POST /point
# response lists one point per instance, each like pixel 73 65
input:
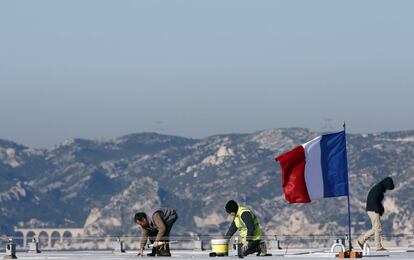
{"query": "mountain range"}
pixel 99 185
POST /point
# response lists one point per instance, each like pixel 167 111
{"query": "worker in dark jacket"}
pixel 248 226
pixel 375 209
pixel 156 226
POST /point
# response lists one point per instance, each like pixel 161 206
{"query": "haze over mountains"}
pixel 99 185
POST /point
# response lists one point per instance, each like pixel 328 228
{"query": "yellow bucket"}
pixel 220 246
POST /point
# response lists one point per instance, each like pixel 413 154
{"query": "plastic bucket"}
pixel 220 246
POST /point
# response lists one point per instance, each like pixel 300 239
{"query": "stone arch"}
pixel 19 238
pixel 58 235
pixel 30 235
pixel 67 236
pixel 55 237
pixel 44 239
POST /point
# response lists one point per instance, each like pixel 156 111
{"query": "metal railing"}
pixel 198 242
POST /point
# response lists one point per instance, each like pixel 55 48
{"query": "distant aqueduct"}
pixel 57 234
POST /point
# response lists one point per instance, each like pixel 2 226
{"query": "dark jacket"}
pixel 376 195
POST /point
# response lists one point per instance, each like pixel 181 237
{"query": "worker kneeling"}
pixel 156 226
pixel 248 226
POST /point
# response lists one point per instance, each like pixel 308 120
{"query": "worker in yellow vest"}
pixel 248 226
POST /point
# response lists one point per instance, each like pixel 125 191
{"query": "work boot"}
pixel 381 249
pixel 164 250
pixel 262 251
pixel 153 252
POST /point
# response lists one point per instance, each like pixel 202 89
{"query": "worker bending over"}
pixel 248 226
pixel 156 226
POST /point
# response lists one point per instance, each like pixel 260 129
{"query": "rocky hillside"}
pixel 99 185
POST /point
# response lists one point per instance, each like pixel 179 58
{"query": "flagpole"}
pixel 349 207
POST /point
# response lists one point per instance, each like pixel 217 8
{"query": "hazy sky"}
pixel 96 69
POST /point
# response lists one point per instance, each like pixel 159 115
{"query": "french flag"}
pixel 316 169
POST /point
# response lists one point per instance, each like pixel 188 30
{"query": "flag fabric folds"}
pixel 316 169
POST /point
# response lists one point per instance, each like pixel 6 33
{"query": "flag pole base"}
pixel 351 254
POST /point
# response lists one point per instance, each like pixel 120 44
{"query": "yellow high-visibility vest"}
pixel 241 226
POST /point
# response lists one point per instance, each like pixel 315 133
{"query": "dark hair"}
pixel 139 216
pixel 232 206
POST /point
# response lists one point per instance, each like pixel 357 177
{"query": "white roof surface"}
pixel 394 253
